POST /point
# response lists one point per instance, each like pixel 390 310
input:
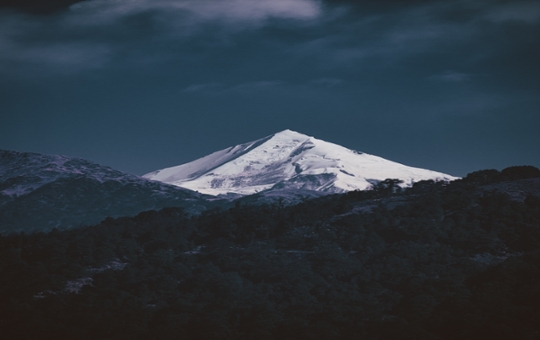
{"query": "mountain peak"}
pixel 288 160
pixel 290 134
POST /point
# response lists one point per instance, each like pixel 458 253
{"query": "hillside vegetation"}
pixel 436 261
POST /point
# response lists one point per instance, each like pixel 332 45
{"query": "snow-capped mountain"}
pixel 40 192
pixel 288 160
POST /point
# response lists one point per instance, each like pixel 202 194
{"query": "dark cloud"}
pixel 146 84
pixel 527 12
pixel 37 6
pixel 450 76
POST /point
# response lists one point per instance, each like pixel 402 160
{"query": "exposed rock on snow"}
pixel 289 160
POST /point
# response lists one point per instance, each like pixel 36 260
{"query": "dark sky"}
pixel 139 85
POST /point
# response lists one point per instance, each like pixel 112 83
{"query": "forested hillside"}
pixel 436 261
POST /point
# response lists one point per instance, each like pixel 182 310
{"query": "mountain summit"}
pixel 288 160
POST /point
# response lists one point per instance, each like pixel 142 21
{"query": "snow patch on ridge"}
pixel 288 160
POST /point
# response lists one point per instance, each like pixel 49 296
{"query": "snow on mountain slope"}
pixel 24 172
pixel 41 192
pixel 288 160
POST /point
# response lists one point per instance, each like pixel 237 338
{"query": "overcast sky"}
pixel 139 85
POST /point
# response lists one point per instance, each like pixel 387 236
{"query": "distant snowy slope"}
pixel 40 192
pixel 23 172
pixel 288 160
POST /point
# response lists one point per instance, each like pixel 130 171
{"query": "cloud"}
pixel 222 88
pixel 450 77
pixel 256 85
pixel 479 103
pixel 208 87
pixel 327 82
pixel 195 11
pixel 94 32
pixel 527 12
pixel 37 6
pixel 391 36
pixel 63 55
pixel 25 41
pixel 385 38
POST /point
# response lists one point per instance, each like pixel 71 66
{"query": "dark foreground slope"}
pixel 41 192
pixel 438 261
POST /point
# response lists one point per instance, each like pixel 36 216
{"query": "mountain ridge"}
pixel 288 160
pixel 40 192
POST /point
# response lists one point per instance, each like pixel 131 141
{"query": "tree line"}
pixel 435 261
